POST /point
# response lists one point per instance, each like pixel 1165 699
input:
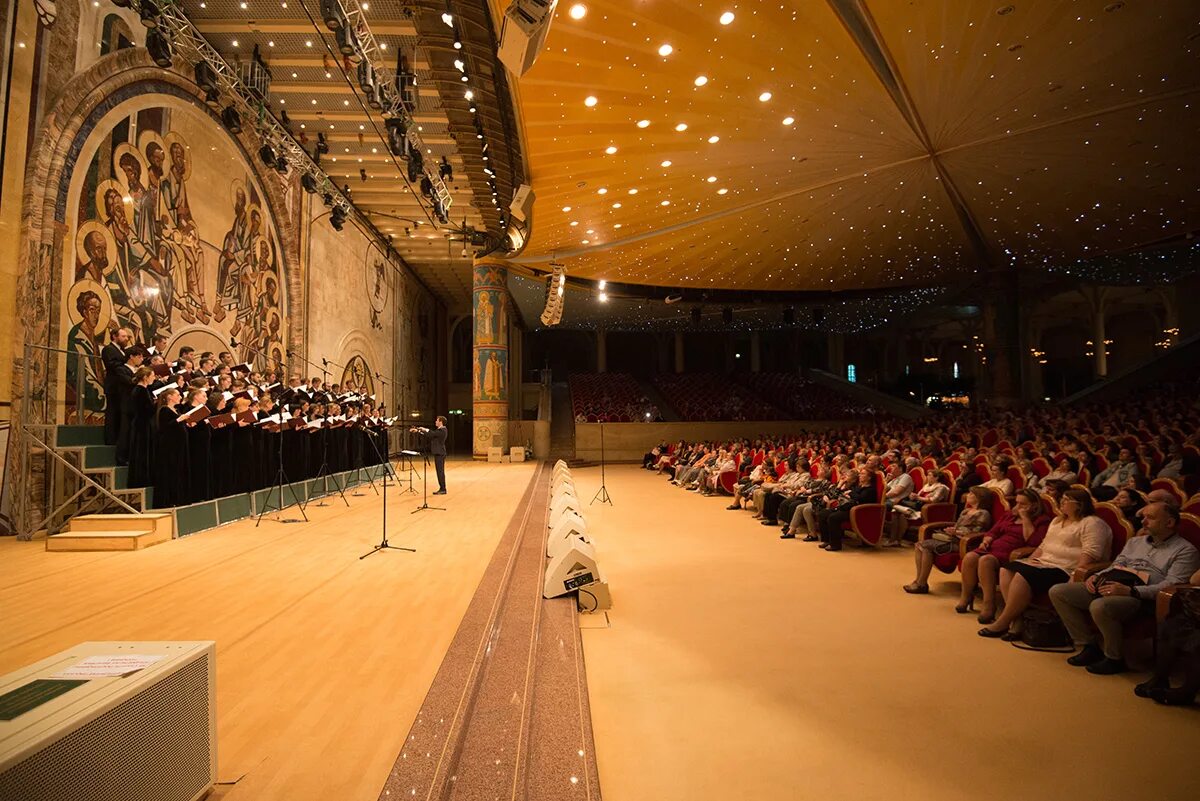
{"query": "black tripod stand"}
pixel 602 494
pixel 281 479
pixel 425 488
pixel 384 545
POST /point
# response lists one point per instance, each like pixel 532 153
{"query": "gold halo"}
pixel 88 227
pixel 250 209
pixel 144 140
pixel 78 288
pixel 119 174
pixel 234 186
pixel 255 246
pixel 264 279
pixel 111 183
pixel 171 138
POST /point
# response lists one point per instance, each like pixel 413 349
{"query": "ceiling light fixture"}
pixel 578 11
pixel 602 191
pixel 611 149
pixel 666 163
pixel 681 127
pixel 712 179
pixel 700 80
pixel 727 18
pixel 643 123
pixel 665 50
pixel 788 120
pixel 712 140
pixel 590 101
pixel 722 191
pixel 764 97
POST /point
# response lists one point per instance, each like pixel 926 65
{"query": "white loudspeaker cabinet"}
pixel 562 506
pixel 522 203
pixel 564 491
pixel 568 524
pixel 572 540
pixel 523 33
pixel 561 465
pixel 571 570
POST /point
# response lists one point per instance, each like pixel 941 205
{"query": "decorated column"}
pixel 489 383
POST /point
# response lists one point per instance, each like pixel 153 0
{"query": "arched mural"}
pixel 170 235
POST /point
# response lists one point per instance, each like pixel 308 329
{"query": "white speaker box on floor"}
pixel 568 524
pixel 562 491
pixel 572 569
pixel 561 465
pixel 562 505
pixel 112 721
pixel 558 547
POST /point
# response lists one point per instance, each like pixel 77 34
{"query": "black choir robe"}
pixel 141 437
pixel 113 357
pixel 199 457
pixel 172 482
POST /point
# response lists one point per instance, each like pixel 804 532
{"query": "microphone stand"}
pixel 323 472
pixel 403 439
pixel 602 494
pixel 280 475
pixel 384 545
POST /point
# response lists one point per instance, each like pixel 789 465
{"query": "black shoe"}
pixel 1147 688
pixel 1173 696
pixel 769 523
pixel 440 492
pixel 734 506
pixel 811 538
pixel 991 633
pixel 1107 667
pixel 786 536
pixel 1089 655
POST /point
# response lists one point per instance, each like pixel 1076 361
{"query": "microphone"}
pixel 233 343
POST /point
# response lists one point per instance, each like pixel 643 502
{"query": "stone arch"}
pixel 83 102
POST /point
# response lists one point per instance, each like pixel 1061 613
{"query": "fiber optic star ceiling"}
pixel 843 144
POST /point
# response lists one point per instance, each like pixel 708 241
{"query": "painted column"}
pixel 755 352
pixel 489 369
pixel 679 351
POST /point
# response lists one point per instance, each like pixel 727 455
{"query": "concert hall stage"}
pixel 322 659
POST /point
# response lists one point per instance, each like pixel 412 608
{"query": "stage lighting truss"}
pixel 393 91
pixel 221 78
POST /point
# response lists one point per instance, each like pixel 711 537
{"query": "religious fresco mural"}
pixel 377 275
pixel 171 236
pixel 357 377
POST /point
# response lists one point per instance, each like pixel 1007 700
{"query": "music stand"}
pixel 424 485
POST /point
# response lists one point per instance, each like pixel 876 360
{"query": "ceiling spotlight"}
pixel 590 101
pixel 148 11
pixel 727 18
pixel 578 11
pixel 722 191
pixel 712 140
pixel 666 50
pixel 267 154
pixel 764 97
pixel 232 120
pixel 602 191
pixel 700 80
pixel 281 165
pixel 666 163
pixel 643 123
pixel 566 209
pixel 681 127
pixel 712 179
pixel 309 183
pixel 337 218
pixel 448 18
pixel 788 120
pixel 159 47
pixel 610 149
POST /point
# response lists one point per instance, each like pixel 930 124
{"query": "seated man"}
pixel 1108 481
pixel 1124 590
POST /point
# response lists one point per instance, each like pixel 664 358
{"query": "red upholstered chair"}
pixel 982 471
pixel 1192 507
pixel 1170 486
pixel 918 478
pixel 726 481
pixel 1041 467
pixel 929 464
pixel 1015 476
pixel 955 469
pixel 1121 532
pixel 867 520
pixel 1049 506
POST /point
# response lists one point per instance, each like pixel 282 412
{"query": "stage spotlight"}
pixel 727 315
pixel 281 164
pixel 414 166
pixel 232 120
pixel 362 174
pixel 337 218
pixel 206 79
pixel 148 11
pixel 309 183
pixel 322 144
pixel 695 315
pixel 426 186
pixel 327 199
pixel 445 171
pixel 331 13
pixel 397 134
pixel 347 41
pixel 159 47
pixel 267 154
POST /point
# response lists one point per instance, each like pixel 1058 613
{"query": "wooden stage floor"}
pixel 322 659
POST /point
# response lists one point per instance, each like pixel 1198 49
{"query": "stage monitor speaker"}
pixel 563 505
pixel 523 33
pixel 559 547
pixel 561 465
pixel 522 203
pixel 564 491
pixel 568 524
pixel 572 569
pixel 135 721
pixel 562 479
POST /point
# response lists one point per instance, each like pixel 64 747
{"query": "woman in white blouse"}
pixel 1076 538
pixel 999 482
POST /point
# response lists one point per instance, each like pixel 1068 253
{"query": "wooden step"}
pixel 106 540
pixel 160 522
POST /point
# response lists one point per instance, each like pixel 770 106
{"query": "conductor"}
pixel 437 447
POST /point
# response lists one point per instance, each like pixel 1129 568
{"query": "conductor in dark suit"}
pixel 114 356
pixel 437 447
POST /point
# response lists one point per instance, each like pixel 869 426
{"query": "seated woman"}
pixel 999 481
pixel 799 509
pixel 1076 538
pixel 975 518
pixel 751 482
pixel 935 490
pixel 1029 474
pixel 1066 470
pixel 1130 501
pixel 1054 488
pixel 1022 527
pixel 831 520
pixel 1178 645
